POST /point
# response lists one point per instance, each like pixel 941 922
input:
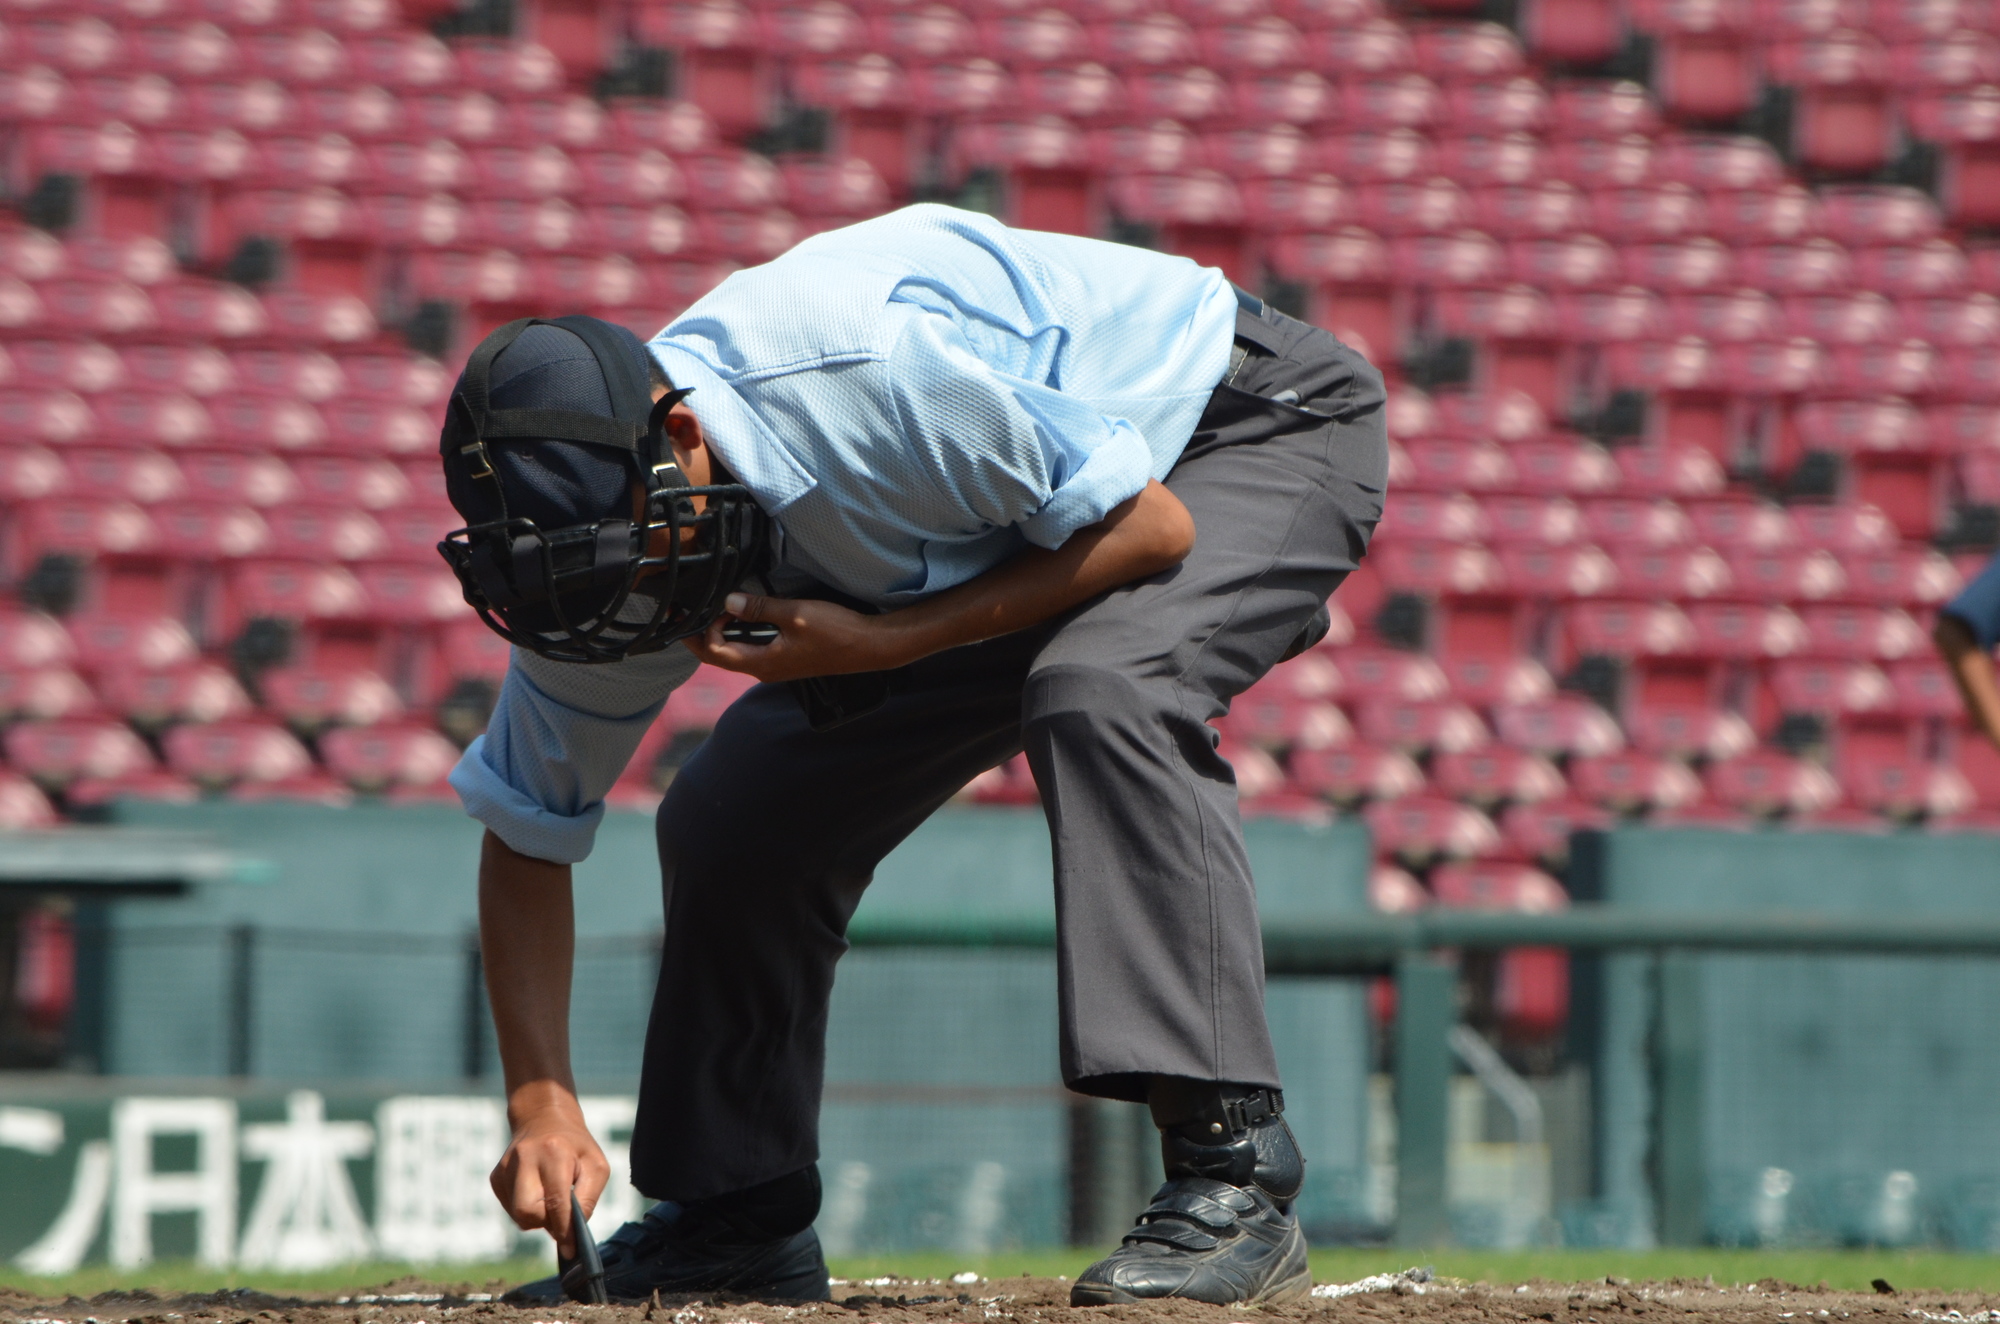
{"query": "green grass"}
pixel 1847 1269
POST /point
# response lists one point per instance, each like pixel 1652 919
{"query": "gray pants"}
pixel 772 830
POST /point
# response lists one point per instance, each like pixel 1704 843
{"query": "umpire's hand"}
pixel 553 1153
pixel 527 936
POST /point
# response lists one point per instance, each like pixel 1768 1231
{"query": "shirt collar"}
pixel 753 453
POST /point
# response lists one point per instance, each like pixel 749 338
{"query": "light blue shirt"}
pixel 912 399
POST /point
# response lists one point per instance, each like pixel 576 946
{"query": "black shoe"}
pixel 720 1245
pixel 1222 1229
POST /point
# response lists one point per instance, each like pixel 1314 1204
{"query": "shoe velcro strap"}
pixel 1191 1204
pixel 1235 1197
pixel 1173 1232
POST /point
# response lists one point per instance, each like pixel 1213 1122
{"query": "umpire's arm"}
pixel 527 940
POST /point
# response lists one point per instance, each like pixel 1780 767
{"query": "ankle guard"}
pixel 1228 1133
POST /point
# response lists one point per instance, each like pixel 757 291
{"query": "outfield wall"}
pixel 347 975
pixel 1793 1099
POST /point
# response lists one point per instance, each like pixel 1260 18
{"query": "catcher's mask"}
pixel 587 582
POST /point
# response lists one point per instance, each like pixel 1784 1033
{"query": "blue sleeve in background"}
pixel 1979 605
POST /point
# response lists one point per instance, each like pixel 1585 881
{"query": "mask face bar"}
pixel 595 591
pixel 510 569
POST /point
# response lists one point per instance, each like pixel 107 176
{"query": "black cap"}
pixel 555 483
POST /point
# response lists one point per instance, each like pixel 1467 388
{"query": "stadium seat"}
pixel 154 699
pixel 1438 726
pixel 1497 885
pixel 378 758
pixel 1394 891
pixel 1907 789
pixel 1542 831
pixel 1558 727
pixel 1370 675
pixel 1421 829
pixel 1632 782
pixel 1351 774
pixel 44 693
pixel 222 754
pixel 1485 680
pixel 1495 775
pixel 58 753
pixel 1688 731
pixel 313 698
pixel 111 641
pixel 1267 718
pixel 1766 783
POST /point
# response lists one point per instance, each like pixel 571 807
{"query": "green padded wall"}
pixel 1827 1099
pixel 943 1088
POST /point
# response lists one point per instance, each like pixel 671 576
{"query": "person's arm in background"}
pixel 527 941
pixel 559 738
pixel 1965 634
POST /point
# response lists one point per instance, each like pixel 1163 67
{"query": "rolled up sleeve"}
pixel 1011 453
pixel 539 775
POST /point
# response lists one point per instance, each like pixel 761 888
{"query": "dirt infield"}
pixel 1385 1300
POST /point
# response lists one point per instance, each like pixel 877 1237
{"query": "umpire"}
pixel 970 491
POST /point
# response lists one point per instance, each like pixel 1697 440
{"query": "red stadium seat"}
pixel 1393 891
pixel 1834 688
pixel 1562 726
pixel 155 699
pixel 1767 783
pixel 229 753
pixel 1843 528
pixel 311 699
pixel 57 753
pixel 1778 575
pixel 1627 629
pixel 378 758
pixel 1907 789
pixel 1531 991
pixel 1903 577
pixel 1496 885
pixel 1496 775
pixel 1436 568
pixel 1270 719
pixel 1678 573
pixel 1744 630
pixel 1921 687
pixel 1863 634
pixel 1533 520
pixel 1389 675
pixel 1679 730
pixel 1558 572
pixel 111 641
pixel 1349 774
pixel 290 590
pixel 43 694
pixel 1632 782
pixel 1420 829
pixel 147 477
pixel 1437 726
pixel 1484 679
pixel 469 649
pixel 1542 831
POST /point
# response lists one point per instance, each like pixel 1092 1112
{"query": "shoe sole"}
pixel 1296 1288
